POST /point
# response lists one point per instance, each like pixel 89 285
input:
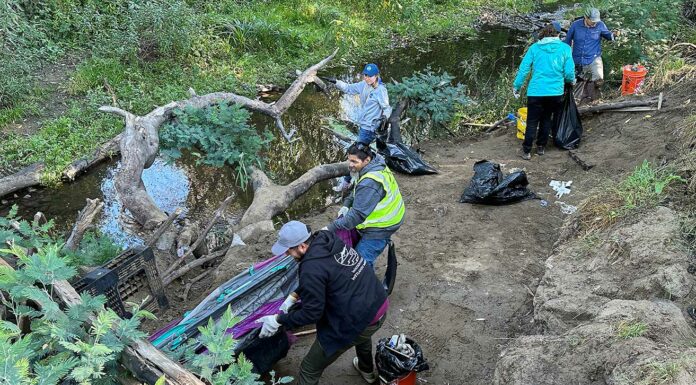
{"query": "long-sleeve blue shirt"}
pixel 374 103
pixel 586 41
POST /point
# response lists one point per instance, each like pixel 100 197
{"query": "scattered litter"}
pixel 480 319
pixel 566 208
pixel 237 240
pixel 560 187
pixel 543 203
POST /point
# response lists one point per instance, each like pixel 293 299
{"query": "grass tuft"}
pixel 644 188
pixel 627 330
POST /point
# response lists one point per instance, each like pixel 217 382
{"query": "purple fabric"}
pixel 263 264
pixel 249 323
pixel 349 237
pixel 164 329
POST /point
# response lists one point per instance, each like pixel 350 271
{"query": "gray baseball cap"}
pixel 593 15
pixel 290 235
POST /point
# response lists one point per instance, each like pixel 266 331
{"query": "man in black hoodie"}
pixel 339 293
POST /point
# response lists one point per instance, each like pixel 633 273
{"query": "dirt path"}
pixel 467 273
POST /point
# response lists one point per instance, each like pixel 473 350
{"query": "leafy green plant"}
pixel 22 233
pixel 95 249
pixel 627 330
pixel 222 132
pixel 220 365
pixel 80 343
pixel 432 100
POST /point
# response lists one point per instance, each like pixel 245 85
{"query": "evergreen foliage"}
pixel 222 132
pixel 432 101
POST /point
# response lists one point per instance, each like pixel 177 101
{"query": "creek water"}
pixel 199 189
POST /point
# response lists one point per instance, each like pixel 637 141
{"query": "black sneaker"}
pixel 540 150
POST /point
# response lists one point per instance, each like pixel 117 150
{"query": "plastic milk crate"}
pixel 131 273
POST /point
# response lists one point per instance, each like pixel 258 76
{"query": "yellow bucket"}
pixel 521 122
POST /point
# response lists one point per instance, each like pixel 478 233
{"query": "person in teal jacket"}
pixel 550 62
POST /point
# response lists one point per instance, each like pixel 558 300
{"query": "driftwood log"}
pixel 31 175
pixel 140 141
pixel 84 221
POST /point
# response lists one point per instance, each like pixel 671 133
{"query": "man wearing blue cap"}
pixel 374 101
pixel 338 292
pixel 585 36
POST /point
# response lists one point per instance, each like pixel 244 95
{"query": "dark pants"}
pixel 541 111
pixel 316 361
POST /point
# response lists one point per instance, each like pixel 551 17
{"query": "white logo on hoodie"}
pixel 347 257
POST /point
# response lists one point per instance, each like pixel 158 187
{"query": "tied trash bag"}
pixel 488 186
pixel 401 158
pixel 392 365
pixel 568 124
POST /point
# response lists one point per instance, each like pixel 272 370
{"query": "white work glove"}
pixel 287 304
pixel 325 228
pixel 515 93
pixel 270 326
pixel 343 211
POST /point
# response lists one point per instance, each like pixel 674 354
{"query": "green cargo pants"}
pixel 316 361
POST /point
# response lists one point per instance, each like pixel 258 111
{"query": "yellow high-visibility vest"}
pixel 390 210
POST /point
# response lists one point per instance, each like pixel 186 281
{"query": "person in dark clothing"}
pixel 375 208
pixel 551 64
pixel 338 292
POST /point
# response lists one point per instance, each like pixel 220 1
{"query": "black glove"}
pixel 329 79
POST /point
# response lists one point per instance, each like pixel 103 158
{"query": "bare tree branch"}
pixel 84 221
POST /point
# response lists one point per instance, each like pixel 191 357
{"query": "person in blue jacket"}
pixel 551 65
pixel 585 36
pixel 374 101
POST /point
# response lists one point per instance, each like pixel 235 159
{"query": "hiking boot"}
pixel 540 150
pixel 370 378
pixel 526 155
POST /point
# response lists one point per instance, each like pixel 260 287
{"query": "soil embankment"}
pixel 469 276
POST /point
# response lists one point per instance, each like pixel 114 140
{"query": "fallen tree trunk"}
pixel 616 105
pixel 140 141
pixel 84 221
pixel 271 199
pixel 26 177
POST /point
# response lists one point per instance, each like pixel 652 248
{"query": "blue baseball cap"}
pixel 371 70
pixel 593 15
pixel 556 26
pixel 292 234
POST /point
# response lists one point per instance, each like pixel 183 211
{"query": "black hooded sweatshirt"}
pixel 339 292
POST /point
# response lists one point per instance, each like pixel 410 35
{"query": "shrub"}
pixel 80 343
pixel 222 132
pixel 432 100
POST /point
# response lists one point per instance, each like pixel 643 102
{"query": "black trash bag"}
pixel 401 158
pixel 264 352
pixel 568 125
pixel 391 365
pixel 390 275
pixel 488 186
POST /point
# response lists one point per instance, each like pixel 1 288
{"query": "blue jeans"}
pixel 365 136
pixel 370 249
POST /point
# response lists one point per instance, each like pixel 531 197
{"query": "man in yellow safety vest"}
pixel 375 207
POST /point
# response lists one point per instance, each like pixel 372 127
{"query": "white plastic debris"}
pixel 566 208
pixel 561 187
pixel 237 240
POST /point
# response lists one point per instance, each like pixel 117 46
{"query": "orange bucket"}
pixel 633 78
pixel 409 379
